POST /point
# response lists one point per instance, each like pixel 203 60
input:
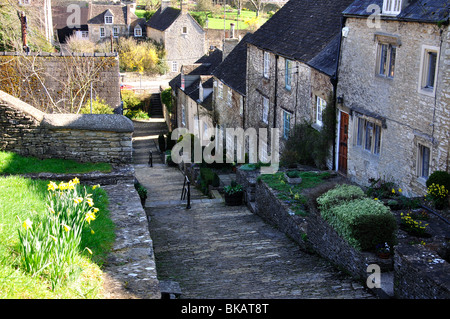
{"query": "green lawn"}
pixel 19 198
pixel 11 163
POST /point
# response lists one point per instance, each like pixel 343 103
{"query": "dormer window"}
pixel 138 31
pixel 392 7
pixel 24 2
pixel 108 19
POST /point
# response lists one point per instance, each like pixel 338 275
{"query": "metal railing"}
pixel 186 191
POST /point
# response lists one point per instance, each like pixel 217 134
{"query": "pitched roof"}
pixel 97 13
pixel 162 20
pixel 233 70
pixel 416 10
pixel 301 29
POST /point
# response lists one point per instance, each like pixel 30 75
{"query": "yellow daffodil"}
pixel 53 237
pixel 78 200
pixel 90 251
pixel 90 202
pixel 27 224
pixel 375 198
pixel 399 190
pixel 95 186
pixel 393 191
pixel 92 232
pixel 66 227
pixel 52 186
pixel 89 217
pixel 95 210
pixel 76 180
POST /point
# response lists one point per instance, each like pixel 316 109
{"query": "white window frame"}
pixel 102 32
pixel 137 31
pixel 109 19
pixel 220 90
pixel 84 34
pixel 115 32
pixel 321 104
pixel 288 74
pixel 422 152
pixel 174 66
pixel 386 62
pixel 265 110
pixel 230 97
pixel 266 65
pixel 424 73
pixel 392 7
pixel 183 115
pixel 286 125
pixel 368 135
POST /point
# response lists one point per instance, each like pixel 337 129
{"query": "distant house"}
pixel 394 83
pixel 67 24
pixel 291 67
pixel 117 20
pixel 192 90
pixel 182 36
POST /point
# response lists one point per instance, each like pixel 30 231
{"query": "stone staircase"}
pixel 155 109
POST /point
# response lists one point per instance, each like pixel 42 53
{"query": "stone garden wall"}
pixel 85 138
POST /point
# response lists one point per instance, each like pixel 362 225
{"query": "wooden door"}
pixel 343 143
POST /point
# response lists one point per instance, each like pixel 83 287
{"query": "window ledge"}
pixel 427 91
pixel 422 181
pixel 317 126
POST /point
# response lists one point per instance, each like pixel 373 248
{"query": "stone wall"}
pixel 229 116
pixel 408 115
pixel 56 83
pixel 85 138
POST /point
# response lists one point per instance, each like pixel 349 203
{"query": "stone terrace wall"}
pixel 85 138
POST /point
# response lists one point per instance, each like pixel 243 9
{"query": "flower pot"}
pixel 384 255
pixel 233 199
pixel 293 180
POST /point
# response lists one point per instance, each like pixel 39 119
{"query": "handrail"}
pixel 186 191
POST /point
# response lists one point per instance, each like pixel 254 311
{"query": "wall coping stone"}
pixel 91 122
pixel 15 103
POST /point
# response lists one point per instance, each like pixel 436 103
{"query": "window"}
pixel 138 31
pixel 183 115
pixel 368 135
pixel 265 110
pixel 386 60
pixel 266 65
pixel 174 66
pixel 286 124
pixel 220 90
pixel 85 34
pixel 241 105
pixel 392 6
pixel 320 106
pixel 184 30
pixel 24 2
pixel 423 161
pixel 230 97
pixel 428 70
pixel 108 19
pixel 115 32
pixel 102 32
pixel 288 74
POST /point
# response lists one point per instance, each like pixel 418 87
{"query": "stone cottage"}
pixel 182 36
pixel 394 88
pixel 192 91
pixel 291 67
pixel 117 20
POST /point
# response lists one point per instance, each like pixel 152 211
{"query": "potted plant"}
pixel 233 194
pixel 383 251
pixel 293 177
pixel 142 191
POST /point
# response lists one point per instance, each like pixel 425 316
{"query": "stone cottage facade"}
pixel 118 20
pixel 192 90
pixel 179 32
pixel 291 66
pixel 394 87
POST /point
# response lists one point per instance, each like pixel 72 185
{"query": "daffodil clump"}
pixel 412 225
pixel 438 194
pixel 50 243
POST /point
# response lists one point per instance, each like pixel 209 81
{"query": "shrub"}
pixel 438 194
pixel 99 106
pixel 162 142
pixel 439 178
pixel 339 194
pixel 364 223
pixel 208 177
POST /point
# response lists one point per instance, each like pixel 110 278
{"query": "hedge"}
pixel 363 222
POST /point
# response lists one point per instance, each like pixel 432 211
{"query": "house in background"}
pixel 117 20
pixel 394 81
pixel 291 67
pixel 182 36
pixel 66 25
pixel 192 91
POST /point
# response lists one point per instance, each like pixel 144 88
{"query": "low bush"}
pixel 208 177
pixel 162 143
pixel 439 178
pixel 364 223
pixel 338 195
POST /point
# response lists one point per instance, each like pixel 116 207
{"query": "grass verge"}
pixel 20 198
pixel 12 163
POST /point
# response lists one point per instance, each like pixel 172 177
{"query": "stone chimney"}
pixel 165 4
pixel 183 6
pixel 229 43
